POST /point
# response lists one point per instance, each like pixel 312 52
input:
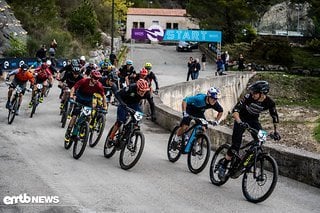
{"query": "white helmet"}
pixel 49 62
pixel 82 58
pixel 213 92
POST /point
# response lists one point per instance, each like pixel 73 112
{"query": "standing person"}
pixel 241 62
pixel 196 69
pixel 220 65
pixel 52 51
pixel 189 64
pixel 151 77
pixel 42 52
pixel 226 62
pixel 113 59
pixel 203 60
pixel 246 113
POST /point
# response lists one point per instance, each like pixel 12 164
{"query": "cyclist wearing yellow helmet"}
pixel 151 76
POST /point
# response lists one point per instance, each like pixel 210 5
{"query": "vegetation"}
pixel 18 48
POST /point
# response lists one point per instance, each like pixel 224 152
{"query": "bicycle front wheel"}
pixel 109 149
pixel 97 130
pixel 64 115
pixel 81 141
pixel 260 180
pixel 216 163
pixel 12 110
pixel 132 151
pixel 34 104
pixel 174 147
pixel 199 155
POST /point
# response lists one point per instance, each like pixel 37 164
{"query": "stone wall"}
pixel 293 163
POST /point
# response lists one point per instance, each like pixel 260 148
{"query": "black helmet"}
pixel 74 63
pixel 260 86
pixel 113 76
pixel 76 70
pixel 24 67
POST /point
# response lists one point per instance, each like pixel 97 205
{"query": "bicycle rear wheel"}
pixel 173 149
pixel 12 110
pixel 109 149
pixel 216 162
pixel 258 183
pixel 200 154
pixel 64 115
pixel 97 130
pixel 81 141
pixel 132 151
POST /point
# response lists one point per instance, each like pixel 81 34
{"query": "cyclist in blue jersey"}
pixel 196 106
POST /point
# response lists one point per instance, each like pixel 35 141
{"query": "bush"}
pixel 18 48
pixel 314 44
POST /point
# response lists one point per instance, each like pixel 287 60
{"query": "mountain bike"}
pixel 197 145
pixel 259 169
pixel 67 108
pixel 80 131
pixel 35 99
pixel 97 125
pixel 14 102
pixel 129 139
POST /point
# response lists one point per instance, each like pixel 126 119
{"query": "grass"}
pixel 317 132
pixel 305 58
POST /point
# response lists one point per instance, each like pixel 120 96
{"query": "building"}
pixel 144 18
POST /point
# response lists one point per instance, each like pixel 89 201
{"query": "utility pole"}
pixel 112 25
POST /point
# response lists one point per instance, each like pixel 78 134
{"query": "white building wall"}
pixel 183 22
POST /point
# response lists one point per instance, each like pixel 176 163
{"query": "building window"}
pixel 168 26
pixel 155 22
pixel 135 25
pixel 141 25
pixel 175 26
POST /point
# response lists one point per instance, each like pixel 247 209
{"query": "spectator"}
pixel 203 60
pixel 190 64
pixel 195 69
pixel 226 62
pixel 52 51
pixel 113 59
pixel 220 65
pixel 241 62
pixel 42 52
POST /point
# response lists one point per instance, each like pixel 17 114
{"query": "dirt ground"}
pixel 296 127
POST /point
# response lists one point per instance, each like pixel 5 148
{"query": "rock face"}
pixel 285 17
pixel 9 27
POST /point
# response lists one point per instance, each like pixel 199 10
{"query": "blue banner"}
pixel 192 35
pixel 14 63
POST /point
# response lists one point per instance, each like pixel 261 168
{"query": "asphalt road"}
pixel 34 161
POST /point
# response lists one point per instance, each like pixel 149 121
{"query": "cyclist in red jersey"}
pixel 83 92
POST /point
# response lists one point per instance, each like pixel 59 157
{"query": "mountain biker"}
pixel 83 92
pixel 110 84
pixel 246 113
pixel 88 68
pixel 21 76
pixel 196 106
pixel 151 76
pixel 43 76
pixel 52 69
pixel 128 97
pixel 126 73
pixel 68 80
pixel 144 75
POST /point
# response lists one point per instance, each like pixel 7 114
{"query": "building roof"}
pixel 156 12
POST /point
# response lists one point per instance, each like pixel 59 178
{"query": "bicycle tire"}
pixel 46 93
pixel 34 104
pixel 101 122
pixel 215 162
pixel 108 150
pixel 172 147
pixel 132 149
pixel 83 130
pixel 261 179
pixel 12 110
pixel 194 155
pixel 67 145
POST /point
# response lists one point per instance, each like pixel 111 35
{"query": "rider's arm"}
pixel 13 72
pixel 238 107
pixel 153 76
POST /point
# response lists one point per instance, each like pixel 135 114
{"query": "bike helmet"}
pixel 113 76
pixel 74 63
pixel 213 93
pixel 95 74
pixel 129 62
pixel 24 67
pixel 148 66
pixel 143 72
pixel 143 85
pixel 82 58
pixel 76 70
pixel 49 63
pixel 260 87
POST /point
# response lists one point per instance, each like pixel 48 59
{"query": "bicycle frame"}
pixel 84 116
pixel 195 129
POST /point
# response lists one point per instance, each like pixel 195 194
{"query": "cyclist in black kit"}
pixel 246 113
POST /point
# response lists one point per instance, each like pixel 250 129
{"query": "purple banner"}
pixel 138 34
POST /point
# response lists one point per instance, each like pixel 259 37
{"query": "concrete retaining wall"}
pixel 293 163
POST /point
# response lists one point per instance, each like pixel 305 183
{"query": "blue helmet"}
pixel 129 62
pixel 213 93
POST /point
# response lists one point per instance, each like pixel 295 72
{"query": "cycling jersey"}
pixel 70 79
pixel 22 77
pixel 196 105
pixel 42 74
pixel 84 91
pixel 250 109
pixel 129 95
